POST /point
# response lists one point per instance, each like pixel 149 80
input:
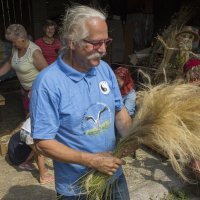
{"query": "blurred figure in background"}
pixel 48 43
pixel 21 152
pixel 26 59
pixel 191 71
pixel 126 85
pixel 5 52
pixel 25 135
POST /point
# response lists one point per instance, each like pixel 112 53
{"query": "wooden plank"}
pixel 2 100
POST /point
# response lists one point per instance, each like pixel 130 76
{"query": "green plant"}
pixel 176 195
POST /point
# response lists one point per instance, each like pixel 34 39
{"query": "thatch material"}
pixel 178 20
pixel 168 118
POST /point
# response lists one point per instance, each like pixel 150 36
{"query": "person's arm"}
pixel 5 68
pixel 103 162
pixel 129 103
pixel 39 60
pixel 123 121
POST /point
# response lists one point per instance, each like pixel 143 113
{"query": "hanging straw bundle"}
pixel 167 119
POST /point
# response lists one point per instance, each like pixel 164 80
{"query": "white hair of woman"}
pixel 15 31
pixel 73 27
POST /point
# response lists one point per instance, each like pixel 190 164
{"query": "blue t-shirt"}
pixel 78 110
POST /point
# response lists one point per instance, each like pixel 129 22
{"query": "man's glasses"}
pixel 99 43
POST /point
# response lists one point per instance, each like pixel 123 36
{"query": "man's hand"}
pixel 106 163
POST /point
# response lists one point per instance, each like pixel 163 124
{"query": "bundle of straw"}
pixel 178 20
pixel 168 119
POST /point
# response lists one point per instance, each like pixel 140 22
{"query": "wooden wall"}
pixel 15 11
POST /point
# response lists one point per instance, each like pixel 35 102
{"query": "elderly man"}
pixel 76 103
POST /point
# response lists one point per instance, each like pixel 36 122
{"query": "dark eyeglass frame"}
pixel 98 44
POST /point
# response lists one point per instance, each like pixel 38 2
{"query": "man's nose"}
pixel 102 48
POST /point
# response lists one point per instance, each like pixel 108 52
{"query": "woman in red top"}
pixel 48 43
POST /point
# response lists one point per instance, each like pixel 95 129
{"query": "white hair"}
pixel 73 28
pixel 15 31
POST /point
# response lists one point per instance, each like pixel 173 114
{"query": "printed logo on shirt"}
pixel 96 119
pixel 104 88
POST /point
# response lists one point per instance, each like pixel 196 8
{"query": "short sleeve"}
pixel 44 114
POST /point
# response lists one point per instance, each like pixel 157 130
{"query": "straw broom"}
pixel 167 119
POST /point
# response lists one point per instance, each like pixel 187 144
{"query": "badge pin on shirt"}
pixel 104 88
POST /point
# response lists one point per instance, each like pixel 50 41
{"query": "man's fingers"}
pixel 120 161
pixel 113 170
pixel 110 173
pixel 115 166
pixel 106 163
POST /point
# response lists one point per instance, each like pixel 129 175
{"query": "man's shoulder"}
pixel 105 68
pixel 50 74
pixel 104 65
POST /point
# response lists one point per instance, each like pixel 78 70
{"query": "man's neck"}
pixel 68 60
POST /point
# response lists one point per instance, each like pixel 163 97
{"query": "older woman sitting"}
pixel 26 59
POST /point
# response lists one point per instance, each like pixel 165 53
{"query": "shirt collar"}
pixel 73 73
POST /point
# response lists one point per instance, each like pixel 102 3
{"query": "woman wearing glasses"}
pixel 75 104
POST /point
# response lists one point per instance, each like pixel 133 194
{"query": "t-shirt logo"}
pixel 104 88
pixel 97 119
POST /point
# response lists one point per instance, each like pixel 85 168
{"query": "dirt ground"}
pixel 17 184
pixel 147 176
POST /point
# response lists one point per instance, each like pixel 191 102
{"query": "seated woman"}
pixel 26 59
pixel 21 152
pixel 127 86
